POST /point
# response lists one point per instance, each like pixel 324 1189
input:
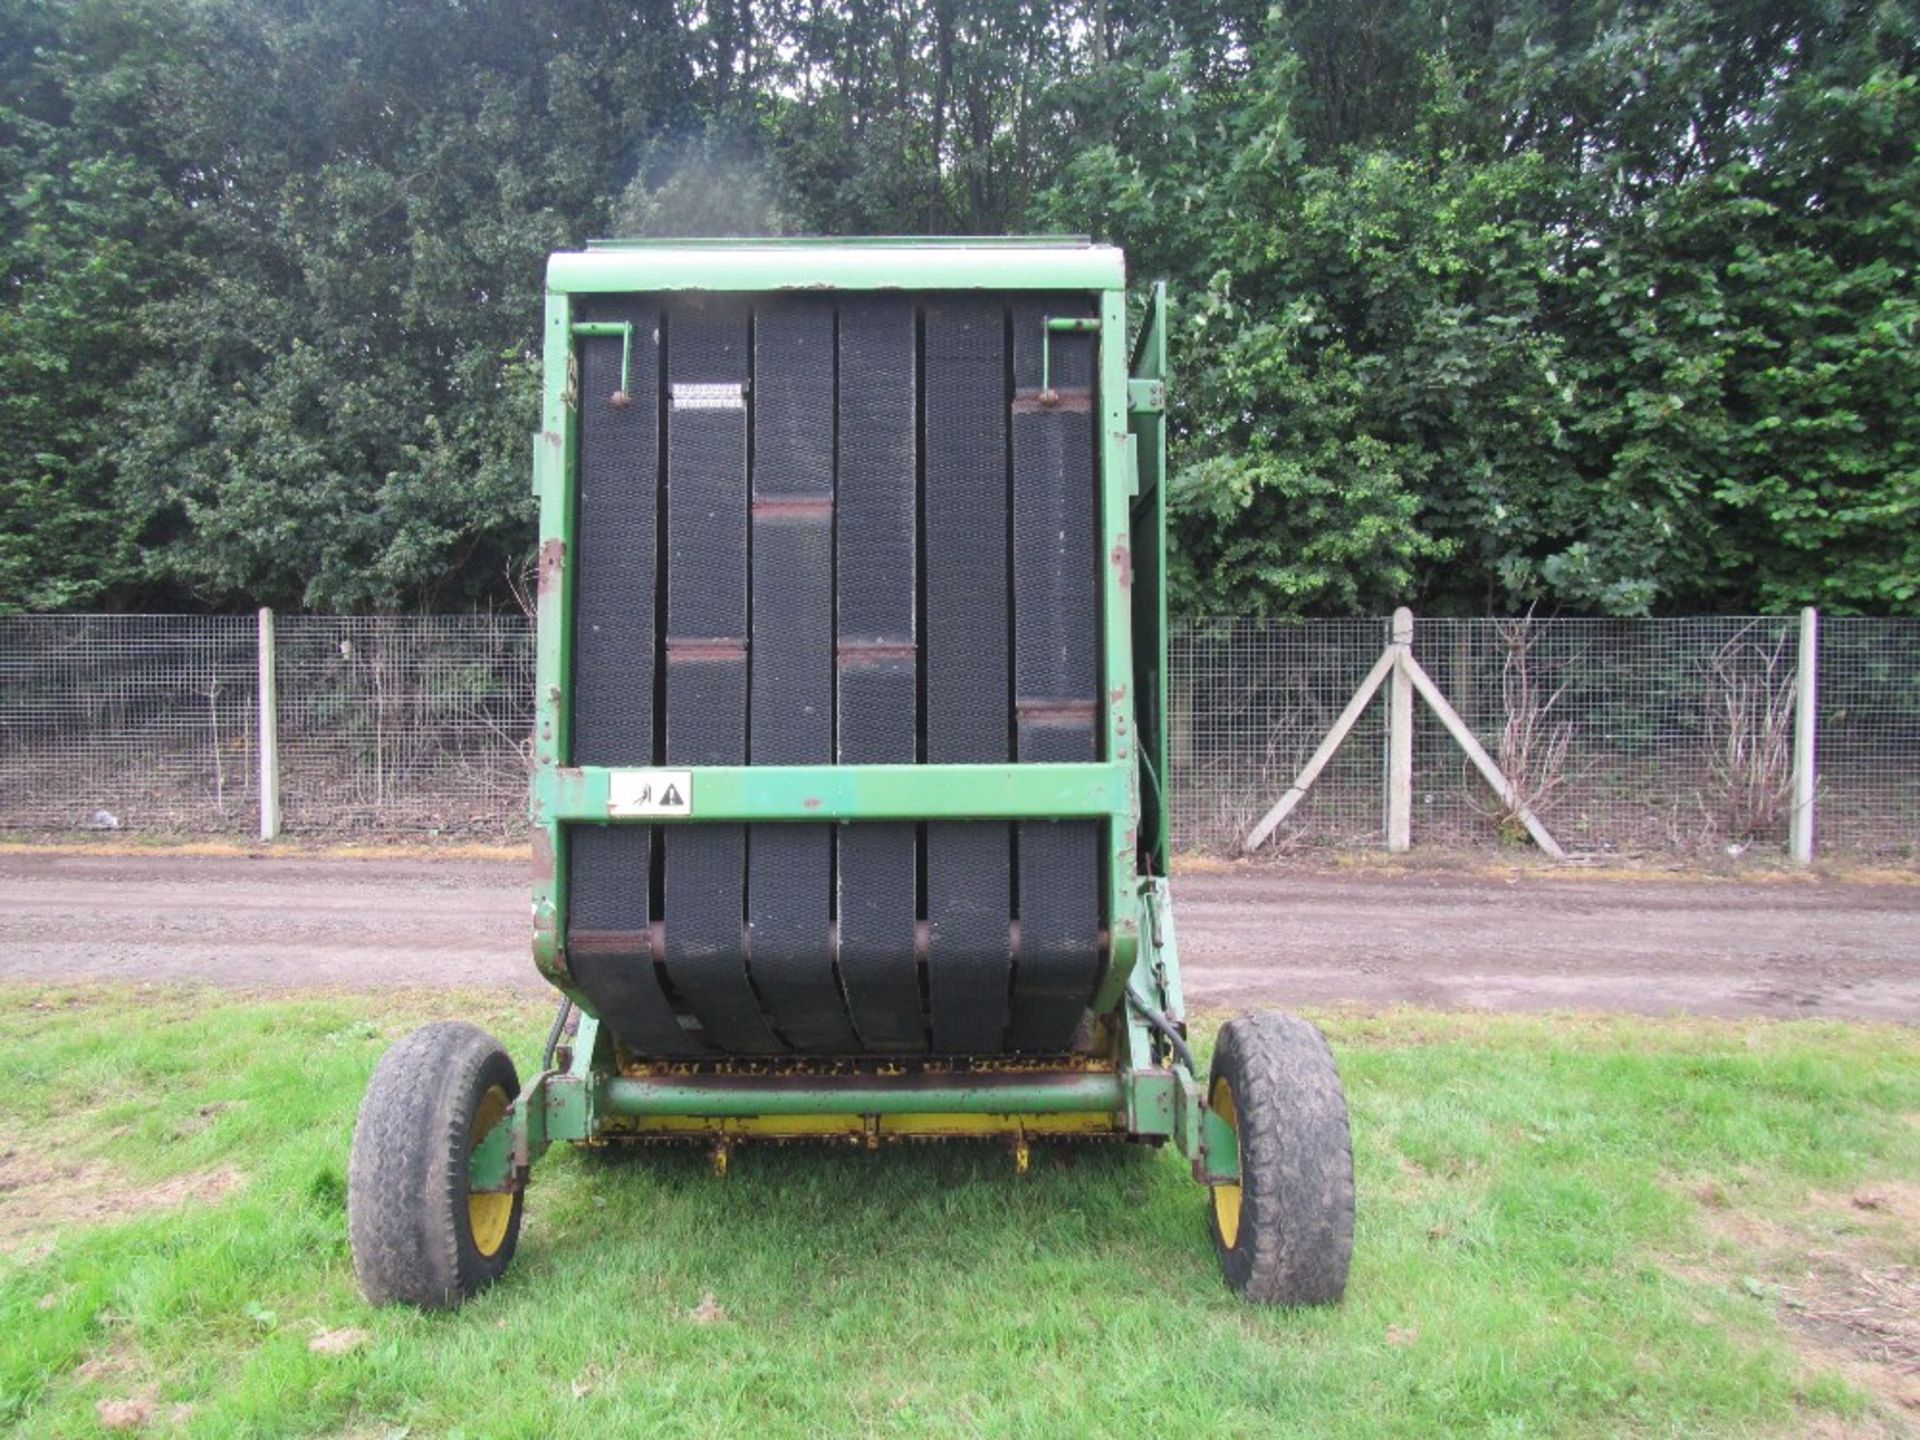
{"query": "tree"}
pixel 1604 306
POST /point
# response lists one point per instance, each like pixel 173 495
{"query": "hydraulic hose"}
pixel 1165 1028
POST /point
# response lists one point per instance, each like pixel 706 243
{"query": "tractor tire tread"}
pixel 1296 1162
pixel 406 1178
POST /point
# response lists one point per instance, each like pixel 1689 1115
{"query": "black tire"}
pixel 418 1237
pixel 1284 1235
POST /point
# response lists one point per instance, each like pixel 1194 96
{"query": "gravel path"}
pixel 1269 937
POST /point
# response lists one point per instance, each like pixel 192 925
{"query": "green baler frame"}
pixel 1140 1086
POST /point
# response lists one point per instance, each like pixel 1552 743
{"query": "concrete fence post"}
pixel 1400 737
pixel 1806 707
pixel 269 733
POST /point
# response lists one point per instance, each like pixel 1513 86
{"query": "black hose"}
pixel 553 1035
pixel 1167 1030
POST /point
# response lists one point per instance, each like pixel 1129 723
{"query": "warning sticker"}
pixel 650 792
pixel 709 397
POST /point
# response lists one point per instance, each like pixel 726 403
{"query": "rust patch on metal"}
pixel 792 507
pixel 706 651
pixel 542 857
pixel 1122 561
pixel 553 565
pixel 1055 712
pixel 1077 400
pixel 849 654
pixel 812 802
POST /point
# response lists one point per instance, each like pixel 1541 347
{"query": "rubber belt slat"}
pixel 613 642
pixel 877 679
pixel 705 868
pixel 789 867
pixel 1056 667
pixel 969 866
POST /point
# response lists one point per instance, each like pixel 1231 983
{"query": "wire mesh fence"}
pixel 1869 736
pixel 418 722
pixel 1624 736
pixel 1249 701
pixel 142 722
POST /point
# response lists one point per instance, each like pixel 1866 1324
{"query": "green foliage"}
pixel 87 231
pixel 1606 307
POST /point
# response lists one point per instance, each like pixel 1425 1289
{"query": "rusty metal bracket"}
pixel 554 1105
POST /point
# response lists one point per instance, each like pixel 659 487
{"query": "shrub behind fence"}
pixel 141 722
pixel 1624 736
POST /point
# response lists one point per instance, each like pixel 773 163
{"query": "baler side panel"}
pixel 790 867
pixel 876 660
pixel 613 645
pixel 705 881
pixel 969 866
pixel 879 529
pixel 1056 661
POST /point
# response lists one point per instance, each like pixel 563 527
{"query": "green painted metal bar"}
pixel 1218 1162
pixel 1060 325
pixel 490 1166
pixel 1147 419
pixel 1093 1092
pixel 555 451
pixel 1119 746
pixel 1157 894
pixel 851 792
pixel 844 242
pixel 1153 1092
pixel 553 1106
pixel 839 267
pixel 609 329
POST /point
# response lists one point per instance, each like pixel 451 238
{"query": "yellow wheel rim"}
pixel 489 1212
pixel 1226 1198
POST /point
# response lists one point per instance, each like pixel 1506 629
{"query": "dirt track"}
pixel 1274 937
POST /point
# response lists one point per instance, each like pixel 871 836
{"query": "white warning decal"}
pixel 650 792
pixel 705 396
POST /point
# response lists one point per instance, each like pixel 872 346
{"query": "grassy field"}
pixel 1567 1227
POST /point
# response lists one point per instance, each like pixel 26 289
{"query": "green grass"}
pixel 1530 1258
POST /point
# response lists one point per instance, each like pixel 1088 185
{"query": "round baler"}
pixel 851 757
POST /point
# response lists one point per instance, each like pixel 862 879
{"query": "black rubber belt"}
pixel 613 635
pixel 875 659
pixel 706 343
pixel 789 866
pixel 1055 667
pixel 969 866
